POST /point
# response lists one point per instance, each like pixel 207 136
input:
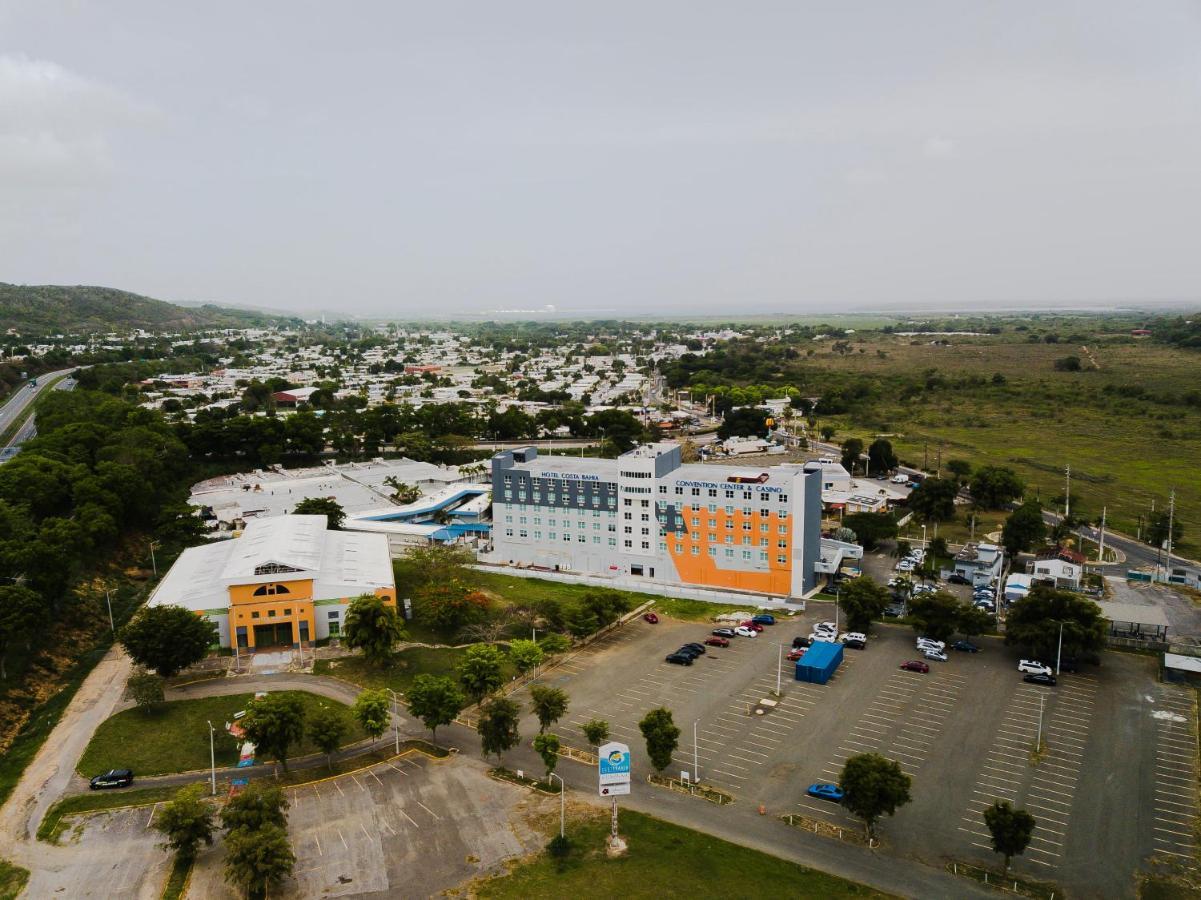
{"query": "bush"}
pixel 559 846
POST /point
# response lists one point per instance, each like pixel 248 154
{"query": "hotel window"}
pixel 627 516
pixel 746 495
pixel 612 542
pixel 679 491
pixel 783 545
pixel 508 493
pixel 746 510
pixel 712 523
pixel 679 548
pixel 508 479
pixel 712 508
pixel 551 522
pixel 581 525
pixel 645 504
pixel 508 518
pixel 783 529
pixel 746 525
pixel 537 520
pixel 762 542
pixel 521 520
pixel 729 510
pixel 729 495
pixel 646 531
pixel 765 512
pixel 662 547
pixel 254 615
pixel 729 538
pixel 508 532
pixel 746 554
pixel 696 492
pixel 729 554
pixel 696 523
pixel 551 535
pixel 596 526
pixel 646 517
pixel 762 556
pixel 583 538
pixel 596 539
pixel 713 551
pixel 781 558
pixel 628 543
pixel 537 535
pixel 646 545
pixel 729 524
pixel 612 527
pixel 566 536
pixel 628 529
pixel 662 489
pixel 783 498
pixel 712 492
pixel 696 551
pixel 763 527
pixel 523 533
pixel 783 514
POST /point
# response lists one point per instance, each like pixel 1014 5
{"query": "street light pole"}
pixel 562 805
pixel 1059 652
pixel 696 758
pixel 213 758
pixel 108 597
pixel 395 720
pixel 153 562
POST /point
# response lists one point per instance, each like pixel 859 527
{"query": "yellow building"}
pixel 285 581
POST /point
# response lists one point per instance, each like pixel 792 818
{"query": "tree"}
pixel 186 821
pixel 852 449
pixel 449 605
pixel 1067 364
pixel 273 724
pixel 436 700
pixel 497 726
pixel 167 638
pixel 973 621
pixel 257 859
pixel 934 499
pixel 936 614
pixel 994 486
pixel 260 805
pixel 322 506
pixel 371 710
pixel 372 626
pixel 872 787
pixel 549 703
pixel 328 727
pixel 596 732
pixel 1034 622
pixel 1157 529
pixel 547 746
pixel 403 492
pixel 146 690
pixel 744 422
pixel 880 456
pixel 862 601
pixel 526 655
pixel 960 468
pixel 436 563
pixel 480 671
pixel 555 643
pixel 871 528
pixel 20 615
pixel 902 549
pixel 938 548
pixel 662 737
pixel 1010 828
pixel 1024 529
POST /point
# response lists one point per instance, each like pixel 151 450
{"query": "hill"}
pixel 80 309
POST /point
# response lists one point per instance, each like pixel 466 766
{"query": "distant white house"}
pixel 1063 569
pixel 978 563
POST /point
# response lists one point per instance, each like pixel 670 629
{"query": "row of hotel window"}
pixel 599 500
pixel 554 484
pixel 645 517
pixel 728 552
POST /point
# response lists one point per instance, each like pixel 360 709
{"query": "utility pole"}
pixel 1101 539
pixel 1059 651
pixel 153 563
pixel 1067 494
pixel 925 455
pixel 212 758
pixel 696 758
pixel 108 597
pixel 938 474
pixel 1171 519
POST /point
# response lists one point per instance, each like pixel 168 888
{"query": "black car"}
pixel 1040 678
pixel 958 579
pixel 724 632
pixel 679 659
pixel 798 642
pixel 693 645
pixel 688 651
pixel 965 646
pixel 854 644
pixel 117 778
pixel 894 610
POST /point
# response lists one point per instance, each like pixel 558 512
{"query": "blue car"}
pixel 830 792
pixel 764 619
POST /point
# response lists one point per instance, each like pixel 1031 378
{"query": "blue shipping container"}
pixel 819 662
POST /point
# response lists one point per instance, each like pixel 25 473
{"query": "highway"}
pixel 19 406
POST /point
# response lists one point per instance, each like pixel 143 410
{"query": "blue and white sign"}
pixel 614 768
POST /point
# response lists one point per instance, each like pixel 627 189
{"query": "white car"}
pixel 934 654
pixel 925 643
pixel 823 636
pixel 825 626
pixel 1034 667
pixel 852 636
pixel 905 565
pixel 743 631
pixel 899 479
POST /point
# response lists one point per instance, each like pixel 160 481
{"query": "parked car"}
pixel 717 641
pixel 906 565
pixel 915 665
pixel 820 791
pixel 1033 667
pixel 935 654
pixel 801 642
pixel 894 610
pixel 743 631
pixel 826 626
pixel 956 578
pixel 651 617
pixel 114 778
pixel 899 479
pixel 723 632
pixel 929 643
pixel 764 619
pixel 852 636
pixel 855 643
pixel 693 645
pixel 1040 678
pixel 795 653
pixel 966 647
pixel 751 624
pixel 679 659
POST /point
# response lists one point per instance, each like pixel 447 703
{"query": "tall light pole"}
pixel 213 758
pixel 108 597
pixel 153 562
pixel 562 805
pixel 696 758
pixel 395 720
pixel 1059 652
pixel 779 666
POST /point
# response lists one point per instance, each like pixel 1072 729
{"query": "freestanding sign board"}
pixel 614 769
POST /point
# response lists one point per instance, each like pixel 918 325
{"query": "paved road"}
pixel 19 405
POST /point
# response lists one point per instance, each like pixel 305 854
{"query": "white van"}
pixel 900 478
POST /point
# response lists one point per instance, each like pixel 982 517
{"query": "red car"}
pixel 717 642
pixel 753 626
pixel 915 665
pixel 796 653
pixel 651 617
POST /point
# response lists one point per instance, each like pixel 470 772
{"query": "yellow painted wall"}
pixel 704 569
pixel 247 610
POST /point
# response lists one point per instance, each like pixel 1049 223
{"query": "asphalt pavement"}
pixel 19 407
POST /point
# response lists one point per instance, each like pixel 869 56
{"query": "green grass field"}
pixel 406 665
pixel 664 860
pixel 175 738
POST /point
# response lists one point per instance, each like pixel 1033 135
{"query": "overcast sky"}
pixel 645 157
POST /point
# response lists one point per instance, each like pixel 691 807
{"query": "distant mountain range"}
pixel 41 309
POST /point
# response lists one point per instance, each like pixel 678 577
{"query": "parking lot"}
pixel 410 827
pixel 1116 743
